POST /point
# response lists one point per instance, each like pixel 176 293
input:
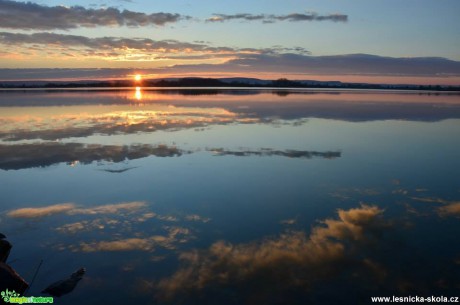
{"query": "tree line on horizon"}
pixel 216 83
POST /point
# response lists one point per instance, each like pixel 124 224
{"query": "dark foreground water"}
pixel 233 196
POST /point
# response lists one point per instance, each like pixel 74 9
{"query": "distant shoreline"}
pixel 221 83
pixel 223 89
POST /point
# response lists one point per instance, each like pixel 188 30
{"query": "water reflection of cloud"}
pixel 83 118
pixel 447 208
pixel 128 244
pixel 270 152
pixel 410 198
pixel 41 211
pixel 174 235
pixel 49 153
pixel 21 156
pixel 111 208
pixel 91 120
pixel 357 255
pixel 118 171
pixel 451 209
pixel 290 221
pixel 81 226
pixel 104 223
pixel 198 218
pixel 72 209
pixel 279 265
pixel 124 222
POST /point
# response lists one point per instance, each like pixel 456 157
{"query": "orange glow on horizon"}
pixel 137 77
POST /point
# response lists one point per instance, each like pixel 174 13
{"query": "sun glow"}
pixel 137 77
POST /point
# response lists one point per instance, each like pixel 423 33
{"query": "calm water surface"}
pixel 232 196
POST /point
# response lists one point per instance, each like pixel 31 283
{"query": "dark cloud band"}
pixel 295 17
pixel 32 16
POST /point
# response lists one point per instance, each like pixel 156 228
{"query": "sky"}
pixel 391 41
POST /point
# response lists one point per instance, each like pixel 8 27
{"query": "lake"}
pixel 232 196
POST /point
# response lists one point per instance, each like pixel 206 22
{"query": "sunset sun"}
pixel 138 77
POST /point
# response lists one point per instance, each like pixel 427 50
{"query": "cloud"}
pixel 224 17
pixel 111 44
pixel 303 154
pixel 299 64
pixel 282 266
pixel 63 74
pixel 313 17
pixel 14 157
pixel 363 64
pixel 111 208
pixel 128 49
pixel 267 18
pixel 42 211
pixel 275 60
pixel 33 16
